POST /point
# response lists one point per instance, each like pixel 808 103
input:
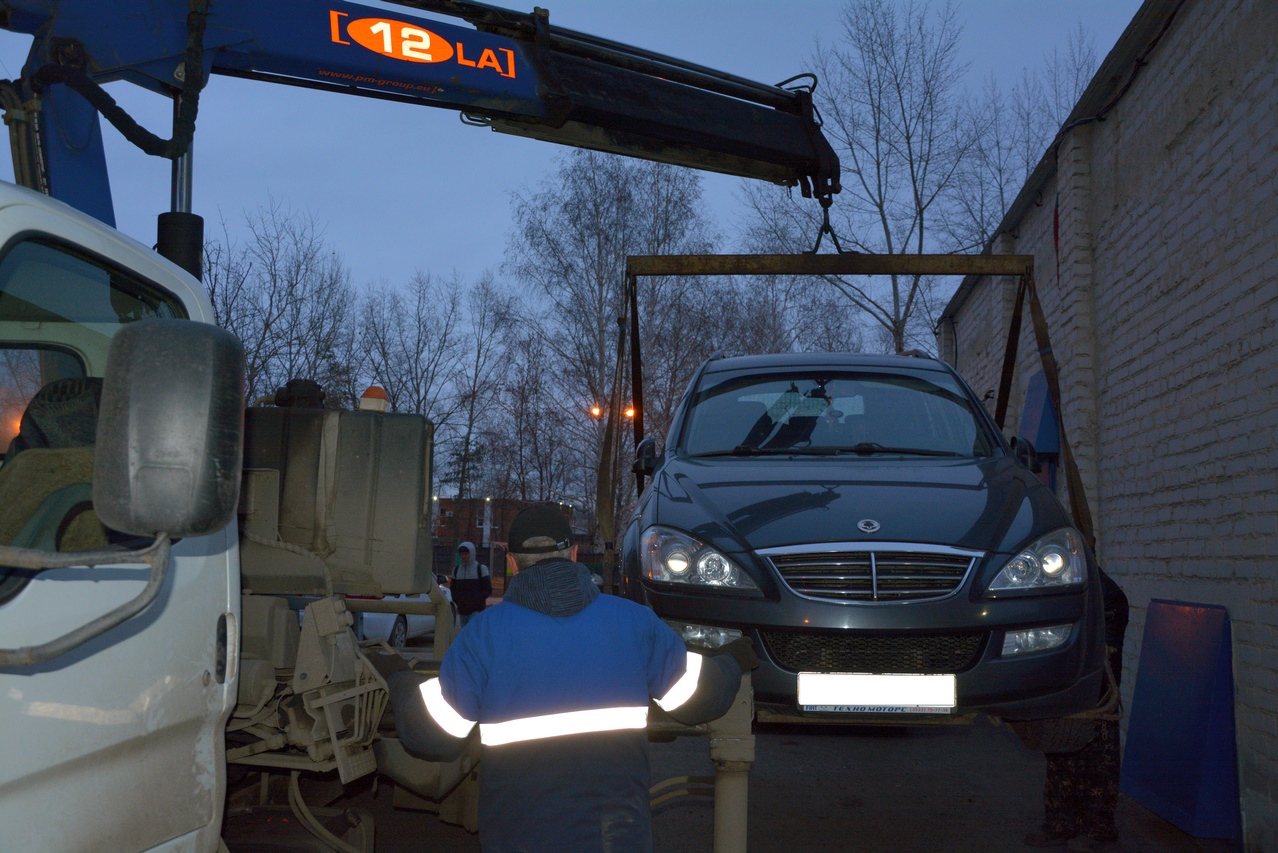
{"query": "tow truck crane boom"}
pixel 513 72
pixel 124 733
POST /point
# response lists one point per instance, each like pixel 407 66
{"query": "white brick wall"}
pixel 1165 323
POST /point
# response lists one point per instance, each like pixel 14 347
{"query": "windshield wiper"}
pixel 867 448
pixel 748 450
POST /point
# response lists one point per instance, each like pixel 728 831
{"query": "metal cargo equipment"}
pixel 335 502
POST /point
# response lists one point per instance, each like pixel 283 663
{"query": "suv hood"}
pixel 745 504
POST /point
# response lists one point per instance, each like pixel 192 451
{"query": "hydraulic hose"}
pixel 74 76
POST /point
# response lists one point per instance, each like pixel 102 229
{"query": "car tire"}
pixel 399 634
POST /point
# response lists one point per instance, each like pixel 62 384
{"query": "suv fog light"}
pixel 1035 639
pixel 706 636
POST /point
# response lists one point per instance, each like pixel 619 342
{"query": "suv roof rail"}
pixel 724 353
pixel 914 353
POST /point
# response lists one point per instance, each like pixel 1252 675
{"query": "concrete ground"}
pixel 970 789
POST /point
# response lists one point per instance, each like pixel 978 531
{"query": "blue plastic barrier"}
pixel 1181 759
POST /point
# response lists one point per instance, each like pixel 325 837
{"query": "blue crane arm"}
pixel 511 71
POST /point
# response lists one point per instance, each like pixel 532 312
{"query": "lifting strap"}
pixel 1078 505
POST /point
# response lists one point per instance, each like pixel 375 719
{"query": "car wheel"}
pixel 399 633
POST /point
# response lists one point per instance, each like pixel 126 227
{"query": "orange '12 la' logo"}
pixel 413 43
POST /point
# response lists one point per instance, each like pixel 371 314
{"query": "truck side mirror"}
pixel 166 463
pixel 171 425
pixel 1023 450
pixel 645 457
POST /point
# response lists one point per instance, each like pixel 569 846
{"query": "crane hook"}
pixel 826 227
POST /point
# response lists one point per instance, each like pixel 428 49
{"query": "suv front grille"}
pixel 882 576
pixel 828 652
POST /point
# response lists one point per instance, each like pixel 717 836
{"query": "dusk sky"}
pixel 400 187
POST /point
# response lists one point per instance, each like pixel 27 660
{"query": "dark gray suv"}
pixel 864 522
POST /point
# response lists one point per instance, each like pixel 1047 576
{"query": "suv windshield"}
pixel 828 413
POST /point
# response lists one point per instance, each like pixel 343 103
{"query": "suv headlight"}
pixel 1050 562
pixel 673 557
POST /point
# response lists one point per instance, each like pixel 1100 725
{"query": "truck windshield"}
pixel 825 413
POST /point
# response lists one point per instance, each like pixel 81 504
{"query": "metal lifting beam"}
pixel 842 263
pixel 846 263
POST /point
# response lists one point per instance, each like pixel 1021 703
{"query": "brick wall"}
pixel 1163 319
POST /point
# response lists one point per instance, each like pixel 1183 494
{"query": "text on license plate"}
pixel 858 692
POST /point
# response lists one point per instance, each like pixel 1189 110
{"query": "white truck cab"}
pixel 129 723
pixel 125 691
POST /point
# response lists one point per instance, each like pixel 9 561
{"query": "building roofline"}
pixel 1110 82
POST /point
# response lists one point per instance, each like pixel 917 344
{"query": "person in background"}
pixel 472 584
pixel 558 680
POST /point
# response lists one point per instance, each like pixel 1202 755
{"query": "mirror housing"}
pixel 1023 450
pixel 170 429
pixel 645 457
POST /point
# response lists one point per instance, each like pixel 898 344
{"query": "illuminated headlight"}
pixel 706 636
pixel 1053 561
pixel 673 557
pixel 1035 639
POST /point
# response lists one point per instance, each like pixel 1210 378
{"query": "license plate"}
pixel 863 693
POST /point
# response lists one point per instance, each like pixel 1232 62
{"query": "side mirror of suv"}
pixel 170 433
pixel 1023 450
pixel 645 457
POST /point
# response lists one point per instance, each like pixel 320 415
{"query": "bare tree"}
pixel 479 374
pixel 570 244
pixel 410 338
pixel 1012 131
pixel 992 173
pixel 529 456
pixel 286 294
pixel 1066 73
pixel 890 97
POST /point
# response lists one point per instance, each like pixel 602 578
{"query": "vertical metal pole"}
pixel 605 498
pixel 488 533
pixel 636 359
pixel 183 169
pixel 732 751
pixel 636 369
pixel 179 232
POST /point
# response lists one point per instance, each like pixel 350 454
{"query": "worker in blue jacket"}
pixel 558 679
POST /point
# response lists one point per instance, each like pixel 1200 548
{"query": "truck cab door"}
pixel 118 744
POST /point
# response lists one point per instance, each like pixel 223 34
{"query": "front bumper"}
pixel 1036 685
pixel 1033 686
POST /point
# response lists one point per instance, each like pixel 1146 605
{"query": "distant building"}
pixel 1161 293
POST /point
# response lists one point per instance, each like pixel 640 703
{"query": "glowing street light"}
pixel 596 411
pixel 630 412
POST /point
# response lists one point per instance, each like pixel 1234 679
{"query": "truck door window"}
pixel 24 370
pixel 59 310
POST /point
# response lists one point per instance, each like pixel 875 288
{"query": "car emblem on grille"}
pixel 868 525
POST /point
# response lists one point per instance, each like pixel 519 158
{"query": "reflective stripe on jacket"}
pixel 582 721
pixel 523 675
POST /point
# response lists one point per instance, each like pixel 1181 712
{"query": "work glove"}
pixel 742 650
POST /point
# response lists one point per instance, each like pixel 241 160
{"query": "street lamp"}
pixel 596 411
